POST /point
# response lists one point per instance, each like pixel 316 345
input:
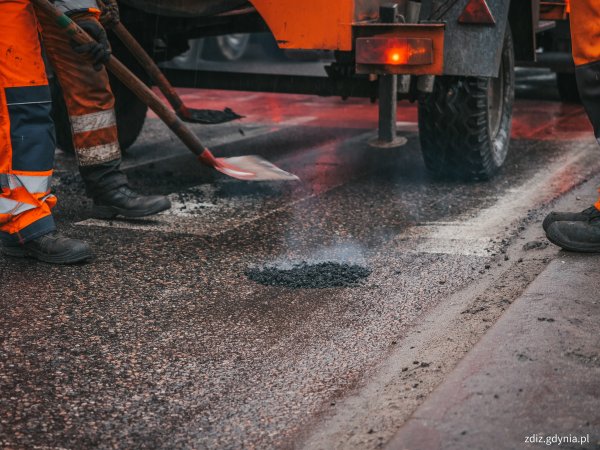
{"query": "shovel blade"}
pixel 252 168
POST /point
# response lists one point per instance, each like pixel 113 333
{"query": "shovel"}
pixel 205 116
pixel 249 168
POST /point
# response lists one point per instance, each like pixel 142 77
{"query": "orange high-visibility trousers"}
pixel 585 37
pixel 90 104
pixel 88 96
pixel 26 130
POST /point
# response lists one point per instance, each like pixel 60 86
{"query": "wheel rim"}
pixel 233 46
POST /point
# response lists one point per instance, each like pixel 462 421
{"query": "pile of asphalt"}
pixel 310 276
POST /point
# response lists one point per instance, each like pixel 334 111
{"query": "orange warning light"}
pixel 394 51
pixel 397 56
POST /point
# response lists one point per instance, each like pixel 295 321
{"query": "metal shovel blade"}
pixel 252 168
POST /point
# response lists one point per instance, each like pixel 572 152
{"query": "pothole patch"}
pixel 306 275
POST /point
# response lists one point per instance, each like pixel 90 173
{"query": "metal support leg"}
pixel 387 136
pixel 388 86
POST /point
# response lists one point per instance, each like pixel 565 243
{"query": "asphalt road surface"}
pixel 164 341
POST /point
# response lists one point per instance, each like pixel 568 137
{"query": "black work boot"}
pixel 586 214
pixel 582 236
pixel 51 248
pixel 122 201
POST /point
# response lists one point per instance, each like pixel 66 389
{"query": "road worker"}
pixel 90 103
pixel 27 144
pixel 580 231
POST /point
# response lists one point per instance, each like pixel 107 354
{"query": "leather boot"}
pixel 122 201
pixel 586 214
pixel 582 236
pixel 51 248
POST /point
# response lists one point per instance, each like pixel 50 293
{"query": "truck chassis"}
pixel 456 58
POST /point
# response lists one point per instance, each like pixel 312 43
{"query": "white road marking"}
pixel 198 211
pixel 411 127
pixel 474 236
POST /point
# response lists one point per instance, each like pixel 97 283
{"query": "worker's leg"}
pixel 581 231
pixel 585 36
pixel 90 103
pixel 27 145
pixel 26 130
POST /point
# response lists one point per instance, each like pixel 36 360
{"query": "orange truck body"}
pixel 314 24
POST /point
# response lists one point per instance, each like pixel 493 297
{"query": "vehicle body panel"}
pixel 471 49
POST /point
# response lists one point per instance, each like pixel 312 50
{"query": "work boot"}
pixel 581 236
pixel 51 248
pixel 586 214
pixel 122 201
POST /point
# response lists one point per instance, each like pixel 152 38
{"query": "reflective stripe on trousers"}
pixel 94 137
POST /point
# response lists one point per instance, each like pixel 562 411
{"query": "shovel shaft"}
pixel 143 92
pixel 146 95
pixel 150 67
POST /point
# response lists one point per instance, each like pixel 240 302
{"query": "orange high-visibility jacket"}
pixel 26 130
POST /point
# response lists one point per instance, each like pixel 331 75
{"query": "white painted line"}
pixel 412 127
pixel 473 236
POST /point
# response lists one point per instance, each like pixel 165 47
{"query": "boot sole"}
pixel 572 247
pixel 65 258
pixel 110 212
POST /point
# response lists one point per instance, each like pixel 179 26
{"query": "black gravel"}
pixel 311 276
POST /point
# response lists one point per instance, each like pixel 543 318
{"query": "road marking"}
pixel 198 211
pixel 412 127
pixel 475 236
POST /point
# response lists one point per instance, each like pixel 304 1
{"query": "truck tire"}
pixel 131 114
pixel 464 125
pixel 567 87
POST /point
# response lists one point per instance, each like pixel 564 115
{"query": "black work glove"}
pixel 99 51
pixel 110 13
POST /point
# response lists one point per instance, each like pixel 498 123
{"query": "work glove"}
pixel 109 17
pixel 99 52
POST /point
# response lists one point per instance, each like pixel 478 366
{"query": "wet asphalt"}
pixel 208 326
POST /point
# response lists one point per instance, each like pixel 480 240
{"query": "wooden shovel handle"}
pixel 143 92
pixel 149 66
